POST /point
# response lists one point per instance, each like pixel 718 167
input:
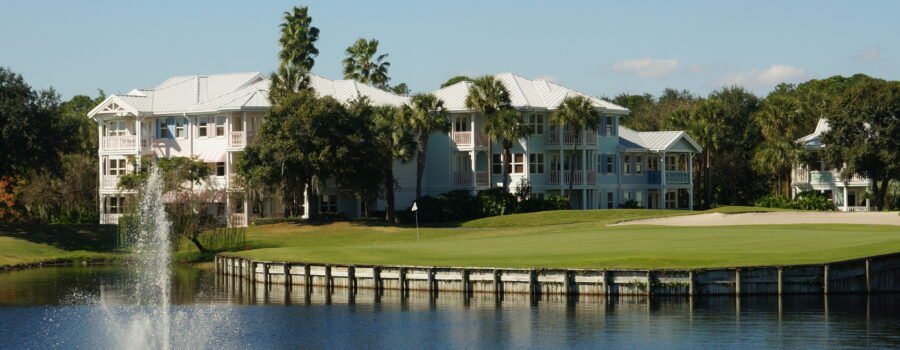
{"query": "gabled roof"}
pixel 229 92
pixel 653 140
pixel 812 140
pixel 524 94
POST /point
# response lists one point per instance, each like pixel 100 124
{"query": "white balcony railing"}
pixel 238 220
pixel 236 139
pixel 462 138
pixel 854 208
pixel 803 176
pixel 110 219
pixel 109 182
pixel 118 143
pixel 552 138
pixel 462 178
pixel 481 178
pixel 591 177
pixel 565 177
pixel 568 137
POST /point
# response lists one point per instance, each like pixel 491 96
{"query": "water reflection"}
pixel 279 317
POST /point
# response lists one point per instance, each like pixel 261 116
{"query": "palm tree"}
pixel 507 128
pixel 298 37
pixel 362 65
pixel 488 96
pixel 579 114
pixel 426 115
pixel 397 143
pixel 781 120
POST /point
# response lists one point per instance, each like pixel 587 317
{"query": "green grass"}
pixel 29 244
pixel 578 239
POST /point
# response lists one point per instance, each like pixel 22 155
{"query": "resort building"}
pixel 847 195
pixel 213 117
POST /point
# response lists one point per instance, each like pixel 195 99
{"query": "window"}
pixel 639 198
pixel 670 199
pixel 626 196
pixel 610 164
pixel 220 169
pixel 115 167
pixel 179 128
pixel 116 128
pixel 639 164
pixel 652 163
pixel 461 124
pixel 201 128
pixel 609 126
pixel 671 163
pixel 518 163
pixel 536 163
pixel 609 200
pixel 164 128
pixel 497 164
pixel 115 205
pixel 328 203
pixel 626 165
pixel 220 125
pixel 536 123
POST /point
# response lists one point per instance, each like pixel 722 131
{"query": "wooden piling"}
pixel 780 281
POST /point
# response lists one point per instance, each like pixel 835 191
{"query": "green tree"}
pixel 83 130
pixel 31 133
pixel 579 114
pixel 488 96
pixel 400 89
pixel 864 134
pixel 455 80
pixel 781 121
pixel 425 116
pixel 506 128
pixel 649 113
pixel 362 64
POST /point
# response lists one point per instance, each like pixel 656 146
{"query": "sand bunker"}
pixel 773 218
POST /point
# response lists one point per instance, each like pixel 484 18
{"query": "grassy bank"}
pixel 571 239
pixel 34 244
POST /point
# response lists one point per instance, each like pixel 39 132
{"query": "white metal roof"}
pixel 523 93
pixel 812 140
pixel 653 140
pixel 198 94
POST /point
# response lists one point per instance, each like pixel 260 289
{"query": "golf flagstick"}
pixel 416 210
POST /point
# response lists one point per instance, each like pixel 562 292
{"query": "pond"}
pixel 90 307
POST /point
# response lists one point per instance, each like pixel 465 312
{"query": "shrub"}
pixel 811 200
pixel 630 204
pixel 808 200
pixel 277 220
pixel 549 202
pixel 496 201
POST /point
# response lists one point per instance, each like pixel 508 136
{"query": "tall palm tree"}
pixel 426 115
pixel 579 114
pixel 781 121
pixel 297 41
pixel 507 128
pixel 397 143
pixel 488 96
pixel 362 65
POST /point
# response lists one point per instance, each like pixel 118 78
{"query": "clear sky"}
pixel 598 47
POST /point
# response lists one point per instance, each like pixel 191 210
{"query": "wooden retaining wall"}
pixel 866 275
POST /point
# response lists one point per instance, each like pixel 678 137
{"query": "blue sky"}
pixel 598 47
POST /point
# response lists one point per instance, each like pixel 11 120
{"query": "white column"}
pixel 473 156
pixel 228 210
pixel 137 137
pixel 244 124
pixel 691 168
pixel 845 196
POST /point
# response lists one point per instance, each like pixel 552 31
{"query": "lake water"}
pixel 84 307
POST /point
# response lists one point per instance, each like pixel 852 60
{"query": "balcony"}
pixel 109 182
pixel 568 138
pixel 581 177
pixel 238 220
pixel 119 143
pixel 462 178
pixel 468 139
pixel 678 177
pixel 110 219
pixel 236 139
pixel 803 176
pixel 673 177
pixel 481 178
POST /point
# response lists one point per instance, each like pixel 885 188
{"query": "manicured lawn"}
pixel 26 244
pixel 550 239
